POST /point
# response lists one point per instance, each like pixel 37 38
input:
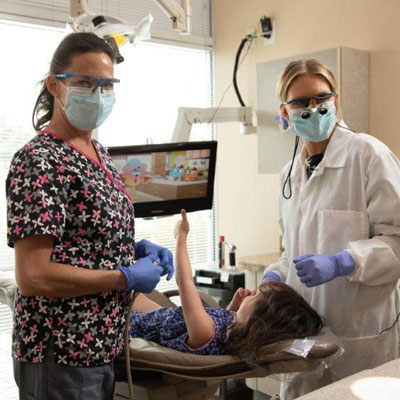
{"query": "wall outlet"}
pixel 271 40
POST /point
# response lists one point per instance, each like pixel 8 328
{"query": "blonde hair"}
pixel 303 67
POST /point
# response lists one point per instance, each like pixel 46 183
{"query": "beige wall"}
pixel 247 211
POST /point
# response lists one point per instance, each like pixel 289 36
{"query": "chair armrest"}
pixel 207 300
pixel 160 298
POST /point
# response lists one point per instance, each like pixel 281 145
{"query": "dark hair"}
pixel 280 313
pixel 71 45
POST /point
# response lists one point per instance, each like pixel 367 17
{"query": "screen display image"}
pixel 165 175
pixel 162 179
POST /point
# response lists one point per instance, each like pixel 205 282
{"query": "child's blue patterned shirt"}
pixel 167 327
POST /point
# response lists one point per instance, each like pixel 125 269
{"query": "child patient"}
pixel 253 318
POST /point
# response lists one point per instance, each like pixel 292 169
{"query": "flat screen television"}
pixel 164 178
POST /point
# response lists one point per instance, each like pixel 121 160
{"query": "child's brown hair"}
pixel 279 313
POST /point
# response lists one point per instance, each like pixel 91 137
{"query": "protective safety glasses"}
pixel 313 101
pixel 88 82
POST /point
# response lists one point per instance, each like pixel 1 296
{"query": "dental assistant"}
pixel 72 226
pixel 340 217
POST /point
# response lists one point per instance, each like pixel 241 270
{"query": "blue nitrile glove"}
pixel 142 276
pixel 315 269
pixel 270 276
pixel 144 248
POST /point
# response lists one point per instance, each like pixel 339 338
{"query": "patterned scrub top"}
pixel 55 189
pixel 167 327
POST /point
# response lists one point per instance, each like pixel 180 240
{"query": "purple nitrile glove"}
pixel 316 269
pixel 142 276
pixel 144 248
pixel 270 276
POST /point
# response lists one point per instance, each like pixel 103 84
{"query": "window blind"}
pixel 199 242
pixel 56 13
pixel 6 319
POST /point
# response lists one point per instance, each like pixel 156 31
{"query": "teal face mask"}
pixel 313 124
pixel 86 110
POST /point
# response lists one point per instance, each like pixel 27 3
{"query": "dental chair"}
pixel 160 373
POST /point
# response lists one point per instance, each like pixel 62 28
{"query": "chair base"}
pixel 150 386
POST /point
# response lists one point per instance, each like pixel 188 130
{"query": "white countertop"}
pixel 259 262
pixel 381 383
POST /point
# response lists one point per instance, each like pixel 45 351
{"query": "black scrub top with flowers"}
pixel 55 189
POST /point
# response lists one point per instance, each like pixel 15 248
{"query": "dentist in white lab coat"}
pixel 340 218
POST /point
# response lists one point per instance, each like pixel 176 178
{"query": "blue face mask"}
pixel 313 124
pixel 86 110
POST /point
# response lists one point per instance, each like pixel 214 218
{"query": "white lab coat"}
pixel 351 202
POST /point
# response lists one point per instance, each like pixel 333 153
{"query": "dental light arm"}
pixel 187 116
pixel 78 7
pixel 181 16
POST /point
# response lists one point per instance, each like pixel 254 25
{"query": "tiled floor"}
pixel 8 389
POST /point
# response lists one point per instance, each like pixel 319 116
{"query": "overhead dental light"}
pixel 116 33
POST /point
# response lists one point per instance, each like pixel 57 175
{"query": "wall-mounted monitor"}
pixel 164 178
